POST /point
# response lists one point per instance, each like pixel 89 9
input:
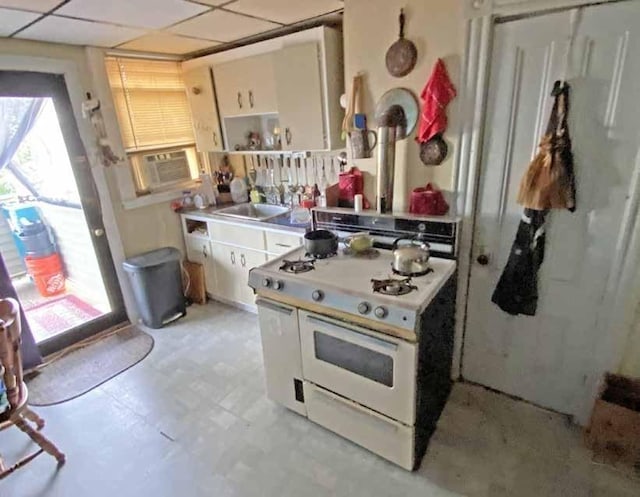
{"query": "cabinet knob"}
pixel 483 259
pixel 215 138
pixel 251 99
pixel 287 135
pixel 240 100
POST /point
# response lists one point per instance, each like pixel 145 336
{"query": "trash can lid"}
pixel 152 258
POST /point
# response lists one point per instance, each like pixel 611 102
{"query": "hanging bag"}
pixel 549 182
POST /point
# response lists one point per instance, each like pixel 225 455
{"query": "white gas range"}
pixel 357 349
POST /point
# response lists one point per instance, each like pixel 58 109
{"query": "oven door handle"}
pixel 353 335
pixel 274 307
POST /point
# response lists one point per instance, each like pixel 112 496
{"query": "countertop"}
pixel 280 223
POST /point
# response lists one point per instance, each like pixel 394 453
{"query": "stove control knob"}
pixel 364 308
pixel 317 295
pixel 381 312
pixel 266 282
pixel 278 285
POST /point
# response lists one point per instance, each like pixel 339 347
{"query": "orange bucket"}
pixel 47 274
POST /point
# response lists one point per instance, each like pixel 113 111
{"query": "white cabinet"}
pixel 246 86
pixel 232 272
pixel 281 243
pixel 299 92
pixel 199 250
pixel 228 251
pixel 281 352
pixel 295 87
pixel 204 113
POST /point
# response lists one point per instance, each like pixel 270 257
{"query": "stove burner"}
pixel 393 286
pixel 320 256
pixel 299 266
pixel 413 275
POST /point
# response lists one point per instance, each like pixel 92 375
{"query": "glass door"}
pixel 51 231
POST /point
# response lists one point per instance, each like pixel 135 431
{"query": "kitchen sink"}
pixel 256 212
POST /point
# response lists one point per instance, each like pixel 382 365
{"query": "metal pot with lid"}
pixel 410 259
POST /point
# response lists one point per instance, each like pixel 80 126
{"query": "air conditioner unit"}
pixel 166 169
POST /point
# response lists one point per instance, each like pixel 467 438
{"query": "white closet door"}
pixel 549 359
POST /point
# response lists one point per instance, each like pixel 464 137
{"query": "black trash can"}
pixel 157 285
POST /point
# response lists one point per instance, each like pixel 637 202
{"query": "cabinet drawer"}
pixel 381 435
pixel 237 235
pixel 281 243
pixel 197 248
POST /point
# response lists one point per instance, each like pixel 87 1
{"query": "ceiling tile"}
pixel 152 14
pixel 285 11
pixel 12 20
pixel 35 5
pixel 167 43
pixel 76 32
pixel 222 26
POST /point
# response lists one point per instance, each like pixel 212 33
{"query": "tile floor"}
pixel 192 420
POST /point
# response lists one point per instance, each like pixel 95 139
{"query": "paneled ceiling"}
pixel 178 27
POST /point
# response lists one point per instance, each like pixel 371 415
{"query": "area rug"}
pixel 82 370
pixel 52 317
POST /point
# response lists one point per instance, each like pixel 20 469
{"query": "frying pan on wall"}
pixel 402 55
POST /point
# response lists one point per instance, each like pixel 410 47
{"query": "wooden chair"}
pixel 18 414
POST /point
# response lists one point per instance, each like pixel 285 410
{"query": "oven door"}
pixel 373 369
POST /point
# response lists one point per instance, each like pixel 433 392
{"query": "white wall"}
pixel 437 29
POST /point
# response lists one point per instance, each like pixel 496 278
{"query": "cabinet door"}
pixel 248 260
pixel 199 250
pixel 229 82
pixel 260 84
pixel 204 113
pixel 281 353
pixel 226 260
pixel 299 93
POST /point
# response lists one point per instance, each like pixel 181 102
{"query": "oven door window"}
pixel 359 360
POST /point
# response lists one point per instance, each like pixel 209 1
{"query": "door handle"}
pixel 482 259
pixel 240 100
pixel 233 257
pixel 287 136
pixel 251 99
pixel 98 232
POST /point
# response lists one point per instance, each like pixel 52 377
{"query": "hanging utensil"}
pixel 402 55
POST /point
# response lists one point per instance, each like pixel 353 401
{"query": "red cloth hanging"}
pixel 437 94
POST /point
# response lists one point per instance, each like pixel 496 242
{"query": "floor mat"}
pixel 84 369
pixel 55 316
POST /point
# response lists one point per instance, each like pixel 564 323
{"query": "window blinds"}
pixel 150 101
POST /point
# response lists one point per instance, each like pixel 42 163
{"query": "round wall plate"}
pixel 405 99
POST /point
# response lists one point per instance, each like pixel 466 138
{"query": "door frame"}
pixel 481 17
pixel 77 81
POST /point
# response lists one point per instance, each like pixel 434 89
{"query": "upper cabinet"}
pixel 246 86
pixel 284 91
pixel 204 114
pixel 299 92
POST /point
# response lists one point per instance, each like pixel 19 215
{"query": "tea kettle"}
pixel 410 259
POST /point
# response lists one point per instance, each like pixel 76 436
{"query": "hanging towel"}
pixel 436 95
pixel 517 289
pixel 549 182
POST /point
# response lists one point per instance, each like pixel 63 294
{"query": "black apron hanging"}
pixel 549 183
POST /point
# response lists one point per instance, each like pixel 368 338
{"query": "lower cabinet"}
pixel 199 250
pixel 232 265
